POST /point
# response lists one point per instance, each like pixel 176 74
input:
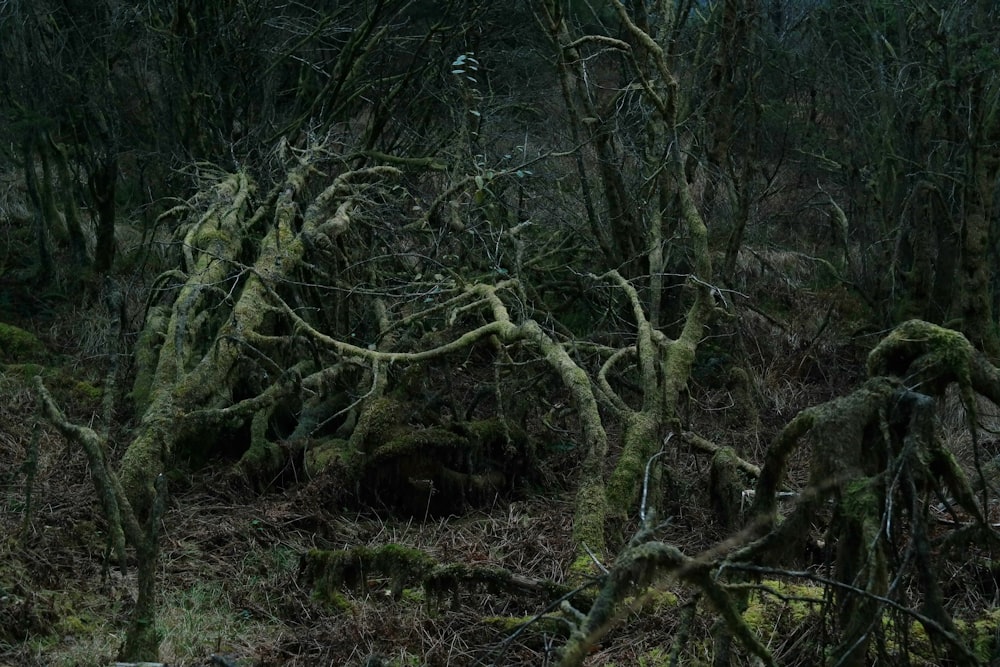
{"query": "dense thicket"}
pixel 404 246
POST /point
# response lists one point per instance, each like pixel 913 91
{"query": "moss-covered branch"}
pixel 637 568
pixel 116 507
pixel 330 572
pixel 142 639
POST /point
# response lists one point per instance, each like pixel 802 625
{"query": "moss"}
pixel 326 454
pixel 919 648
pixel 492 430
pixel 986 637
pixel 981 636
pixel 782 607
pixel 17 345
pixel 859 500
pixel 262 458
pixel 924 353
pixel 377 422
pixel 588 524
pixel 143 459
pixel 75 625
pixel 639 443
pixel 329 571
pixel 548 624
pixel 663 600
pixel 87 391
pixel 332 600
pixel 456 575
pixel 790 613
pixel 221 237
pixel 418 441
pixel 147 353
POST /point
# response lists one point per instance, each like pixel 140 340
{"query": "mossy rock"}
pixel 378 423
pixel 19 346
pixel 417 442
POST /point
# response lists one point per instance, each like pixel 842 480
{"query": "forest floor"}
pixel 231 581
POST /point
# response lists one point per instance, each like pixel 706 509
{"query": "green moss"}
pixel 17 345
pixel 418 441
pixel 919 649
pixel 588 524
pixel 548 624
pixel 377 422
pixel 262 458
pixel 75 625
pixel 329 571
pixel 986 637
pixel 87 391
pixel 663 600
pixel 859 500
pixel 925 353
pixel 782 603
pixel 220 236
pixel 982 637
pixel 332 599
pixel 147 354
pixel 639 443
pixel 326 454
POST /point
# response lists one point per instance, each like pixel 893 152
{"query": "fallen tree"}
pixel 878 466
pixel 277 337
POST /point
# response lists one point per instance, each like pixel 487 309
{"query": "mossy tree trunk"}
pixel 646 212
pixel 878 460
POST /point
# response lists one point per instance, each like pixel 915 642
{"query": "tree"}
pixel 384 263
pixel 924 77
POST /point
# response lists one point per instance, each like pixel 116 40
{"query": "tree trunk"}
pixel 102 181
